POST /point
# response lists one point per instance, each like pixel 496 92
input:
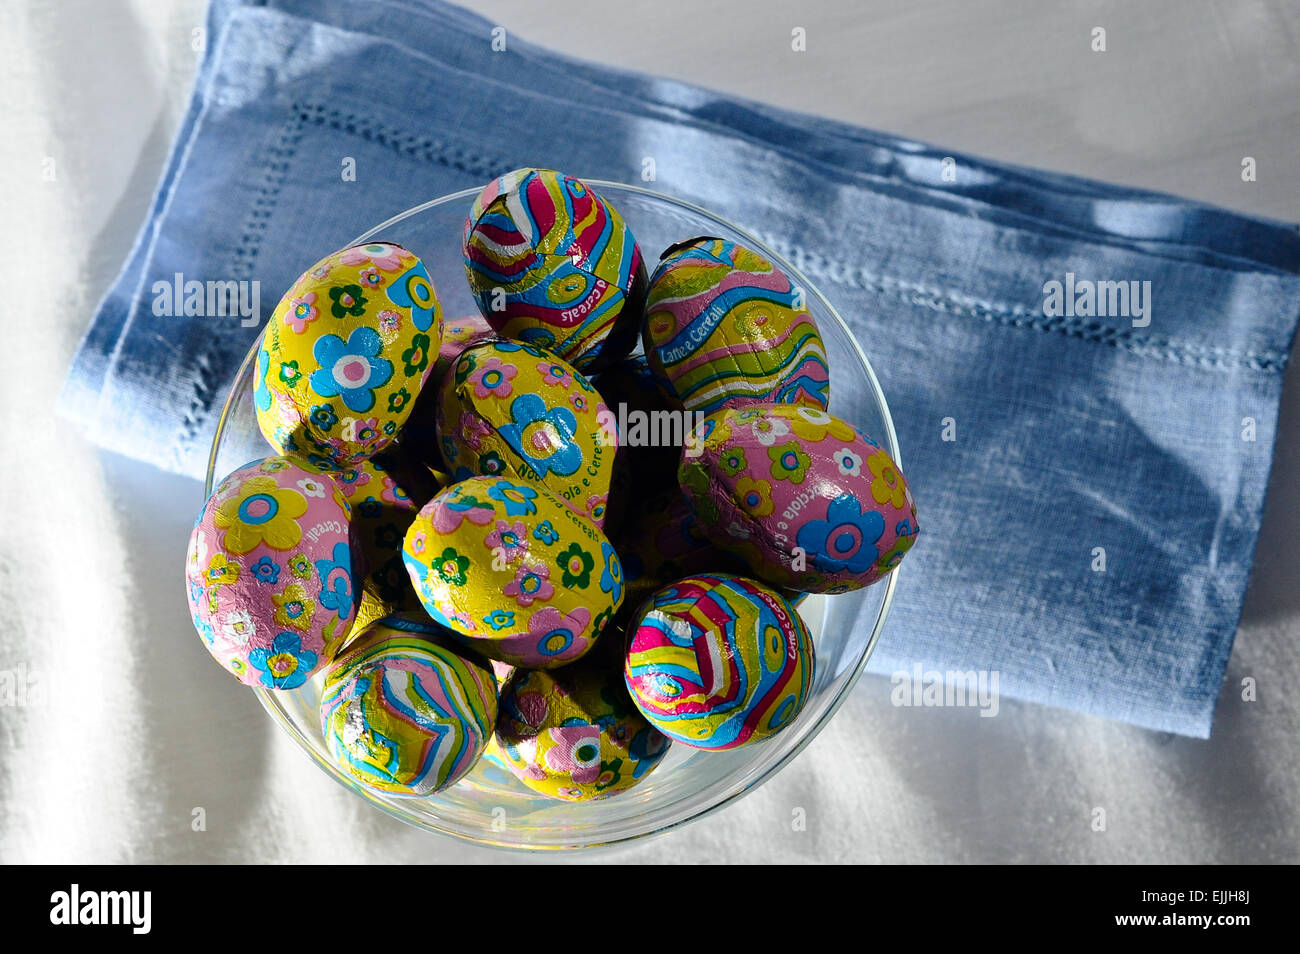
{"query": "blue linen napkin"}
pixel 1070 432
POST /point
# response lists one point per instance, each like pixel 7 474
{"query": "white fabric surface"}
pixel 115 725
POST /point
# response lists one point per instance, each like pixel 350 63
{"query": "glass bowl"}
pixel 489 806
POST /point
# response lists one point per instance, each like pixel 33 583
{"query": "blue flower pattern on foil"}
pixel 412 289
pixel 352 370
pixel 336 581
pixel 561 454
pixel 846 539
pixel 611 576
pixel 262 394
pixel 271 662
pixel 266 570
pixel 516 506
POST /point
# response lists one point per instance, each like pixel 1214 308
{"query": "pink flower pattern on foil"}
pixel 459 618
pixel 555 374
pixel 551 635
pixel 370 277
pixel 447 519
pixel 511 539
pixel 301 312
pixel 396 495
pixel 350 481
pixel 531 583
pixel 563 756
pixel 473 429
pixel 494 378
pixel 364 431
pixel 387 257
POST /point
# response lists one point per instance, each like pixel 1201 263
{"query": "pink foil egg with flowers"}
pixel 804 498
pixel 269 573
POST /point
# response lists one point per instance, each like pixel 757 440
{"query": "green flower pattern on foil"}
pixel 576 564
pixel 789 462
pixel 452 567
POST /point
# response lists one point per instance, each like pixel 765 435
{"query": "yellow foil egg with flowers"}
pixel 509 568
pixel 506 407
pixel 345 354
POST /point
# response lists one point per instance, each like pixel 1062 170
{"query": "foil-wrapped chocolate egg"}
pixel 405 713
pixel 718 661
pixel 808 501
pixel 725 327
pixel 513 571
pixel 510 408
pixel 345 355
pixel 552 263
pixel 573 733
pixel 269 573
